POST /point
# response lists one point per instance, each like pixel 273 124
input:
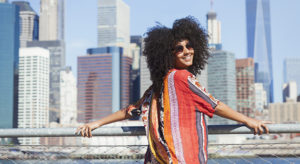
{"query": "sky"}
pixel 81 26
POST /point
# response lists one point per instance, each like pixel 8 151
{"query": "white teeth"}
pixel 187 57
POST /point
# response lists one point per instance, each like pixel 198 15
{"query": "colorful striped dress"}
pixel 175 120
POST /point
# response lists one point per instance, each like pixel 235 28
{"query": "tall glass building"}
pixel 113 24
pixel 103 82
pixel 291 71
pixel 222 81
pixel 51 25
pixel 259 42
pixel 9 61
pixel 126 71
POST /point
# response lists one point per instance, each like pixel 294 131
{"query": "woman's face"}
pixel 184 53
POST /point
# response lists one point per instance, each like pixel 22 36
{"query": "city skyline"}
pixel 81 33
pixel 106 76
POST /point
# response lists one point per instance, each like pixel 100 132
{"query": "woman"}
pixel 173 109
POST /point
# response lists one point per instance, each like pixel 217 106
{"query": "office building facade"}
pixel 222 81
pixel 213 30
pixel 126 71
pixel 51 25
pixel 288 112
pixel 260 97
pixel 68 97
pixel 289 91
pixel 202 77
pixel 136 49
pixel 245 86
pixel 145 81
pixel 259 45
pixel 33 106
pixel 103 82
pixel 138 40
pixel 9 65
pixel 28 22
pixel 113 24
pixel 291 71
pixel 94 81
pixel 57 62
pixel 135 73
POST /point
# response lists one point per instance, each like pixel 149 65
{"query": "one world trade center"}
pixel 259 42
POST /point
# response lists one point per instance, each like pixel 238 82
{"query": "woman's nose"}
pixel 185 50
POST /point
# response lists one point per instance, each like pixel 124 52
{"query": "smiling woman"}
pixel 173 109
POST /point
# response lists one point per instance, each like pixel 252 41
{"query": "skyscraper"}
pixel 51 25
pixel 51 37
pixel 289 91
pixel 291 71
pixel 214 40
pixel 222 80
pixel 94 81
pixel 260 97
pixel 136 50
pixel 137 39
pixel 113 24
pixel 145 81
pixel 28 23
pixel 259 42
pixel 202 77
pixel 57 62
pixel 213 30
pixel 68 97
pixel 9 65
pixel 33 108
pixel 126 63
pixel 245 86
pixel 103 82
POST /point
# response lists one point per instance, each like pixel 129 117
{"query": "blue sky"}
pixel 81 26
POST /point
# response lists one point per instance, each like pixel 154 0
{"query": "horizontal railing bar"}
pixel 242 129
pixel 138 131
pixel 212 144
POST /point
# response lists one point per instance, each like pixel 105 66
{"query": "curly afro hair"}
pixel 159 44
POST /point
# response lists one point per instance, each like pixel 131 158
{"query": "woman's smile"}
pixel 184 54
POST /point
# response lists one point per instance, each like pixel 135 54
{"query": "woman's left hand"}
pixel 257 125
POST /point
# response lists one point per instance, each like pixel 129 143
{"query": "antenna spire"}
pixel 211 4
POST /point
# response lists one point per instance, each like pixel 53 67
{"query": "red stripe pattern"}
pixel 179 133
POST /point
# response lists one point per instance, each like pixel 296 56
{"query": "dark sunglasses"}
pixel 180 48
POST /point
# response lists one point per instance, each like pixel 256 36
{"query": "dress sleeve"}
pixel 203 101
pixel 135 109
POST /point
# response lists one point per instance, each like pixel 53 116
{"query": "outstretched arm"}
pixel 225 111
pixel 86 129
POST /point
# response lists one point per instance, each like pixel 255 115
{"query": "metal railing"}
pixel 255 151
pixel 138 131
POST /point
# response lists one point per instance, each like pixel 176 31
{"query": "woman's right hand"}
pixel 86 129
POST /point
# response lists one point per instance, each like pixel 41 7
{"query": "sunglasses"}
pixel 180 48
